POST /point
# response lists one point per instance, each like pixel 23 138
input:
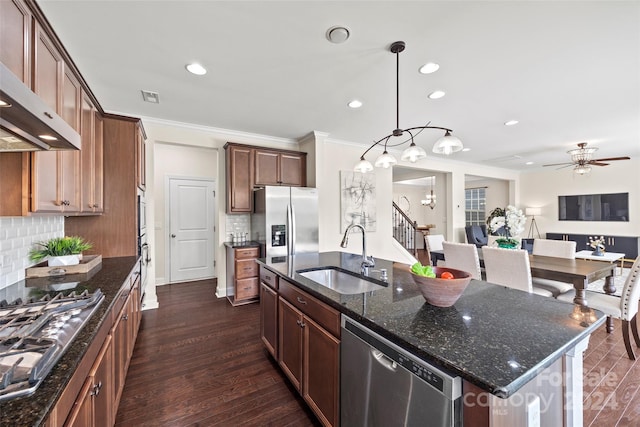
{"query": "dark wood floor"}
pixel 200 362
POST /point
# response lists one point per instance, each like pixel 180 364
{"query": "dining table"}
pixel 578 272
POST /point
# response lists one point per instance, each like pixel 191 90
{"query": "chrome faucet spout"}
pixel 366 261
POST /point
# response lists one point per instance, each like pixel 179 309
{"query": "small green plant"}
pixel 59 246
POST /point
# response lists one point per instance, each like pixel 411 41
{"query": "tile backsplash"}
pixel 17 236
pixel 237 224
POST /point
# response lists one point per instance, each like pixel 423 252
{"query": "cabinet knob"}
pixel 125 317
pixel 173 236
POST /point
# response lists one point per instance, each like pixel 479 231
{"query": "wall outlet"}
pixel 533 412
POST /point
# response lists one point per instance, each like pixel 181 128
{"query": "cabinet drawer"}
pixel 320 312
pixel 246 268
pixel 247 253
pixel 247 288
pixel 269 278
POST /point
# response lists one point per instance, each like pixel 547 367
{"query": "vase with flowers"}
pixel 508 224
pixel 597 243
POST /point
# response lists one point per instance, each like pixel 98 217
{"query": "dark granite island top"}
pixel 33 410
pixel 495 337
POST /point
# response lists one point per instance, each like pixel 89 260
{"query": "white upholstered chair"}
pixel 462 256
pixel 624 307
pixel 558 249
pixel 434 242
pixel 510 267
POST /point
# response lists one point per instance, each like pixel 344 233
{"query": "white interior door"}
pixel 191 229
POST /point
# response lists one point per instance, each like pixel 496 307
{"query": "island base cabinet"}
pixel 269 319
pixel 310 358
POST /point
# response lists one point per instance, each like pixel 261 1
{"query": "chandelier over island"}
pixel 447 144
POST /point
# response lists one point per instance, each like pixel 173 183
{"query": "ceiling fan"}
pixel 582 161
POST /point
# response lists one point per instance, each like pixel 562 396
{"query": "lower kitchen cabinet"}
pixel 92 395
pixel 269 318
pixel 243 283
pixel 309 350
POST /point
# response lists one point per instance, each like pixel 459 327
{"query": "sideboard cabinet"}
pixel 628 245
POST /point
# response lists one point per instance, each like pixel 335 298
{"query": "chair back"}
pixel 434 242
pixel 508 267
pixel 462 256
pixel 476 234
pixel 631 292
pixel 554 248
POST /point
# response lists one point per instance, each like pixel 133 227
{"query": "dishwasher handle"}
pixel 384 360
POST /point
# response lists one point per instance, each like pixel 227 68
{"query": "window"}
pixel 475 203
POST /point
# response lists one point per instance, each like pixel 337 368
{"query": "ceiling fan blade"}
pixel 593 162
pixel 565 166
pixel 609 159
pixel 559 164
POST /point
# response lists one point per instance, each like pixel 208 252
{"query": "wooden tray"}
pixel 88 263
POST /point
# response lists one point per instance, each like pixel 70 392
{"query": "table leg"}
pixel 610 288
pixel 581 297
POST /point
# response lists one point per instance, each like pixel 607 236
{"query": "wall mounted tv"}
pixel 594 207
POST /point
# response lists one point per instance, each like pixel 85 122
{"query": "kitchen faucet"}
pixel 366 261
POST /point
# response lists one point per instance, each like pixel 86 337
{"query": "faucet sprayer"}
pixel 366 261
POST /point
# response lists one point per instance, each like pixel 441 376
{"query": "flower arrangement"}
pixel 59 246
pixel 508 223
pixel 597 243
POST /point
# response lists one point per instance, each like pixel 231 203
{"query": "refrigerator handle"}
pixel 289 229
pixel 292 229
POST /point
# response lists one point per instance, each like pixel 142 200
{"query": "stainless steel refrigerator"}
pixel 285 221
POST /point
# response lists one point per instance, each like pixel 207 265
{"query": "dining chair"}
pixel 554 248
pixel 510 267
pixel 434 242
pixel 462 256
pixel 623 307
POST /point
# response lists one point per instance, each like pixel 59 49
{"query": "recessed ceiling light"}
pixel 48 137
pixel 355 104
pixel 529 163
pixel 429 67
pixel 466 149
pixel 436 94
pixel 511 123
pixel 338 34
pixel 196 69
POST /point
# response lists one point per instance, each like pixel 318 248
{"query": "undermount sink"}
pixel 341 281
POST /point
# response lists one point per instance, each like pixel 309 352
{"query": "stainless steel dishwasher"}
pixel 383 385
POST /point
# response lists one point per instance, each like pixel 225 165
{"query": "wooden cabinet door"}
pixel 69 179
pixel 98 162
pixel 120 337
pixel 45 195
pixel 321 372
pixel 293 170
pixel 81 414
pixel 48 70
pixel 267 168
pixel 239 179
pixel 290 342
pixel 269 319
pixel 103 381
pixel 91 155
pixel 15 38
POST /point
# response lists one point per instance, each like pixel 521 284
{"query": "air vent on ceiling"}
pixel 152 97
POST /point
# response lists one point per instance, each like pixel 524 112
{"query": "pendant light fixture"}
pixel 445 145
pixel 431 198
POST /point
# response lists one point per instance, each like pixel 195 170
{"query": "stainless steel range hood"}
pixel 27 123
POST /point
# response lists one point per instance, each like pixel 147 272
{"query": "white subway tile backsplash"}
pixel 237 224
pixel 17 237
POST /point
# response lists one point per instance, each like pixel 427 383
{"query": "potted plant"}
pixel 60 250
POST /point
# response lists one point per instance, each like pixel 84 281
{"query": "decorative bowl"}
pixel 442 292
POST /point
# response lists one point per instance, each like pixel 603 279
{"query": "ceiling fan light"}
pixel 363 166
pixel 413 153
pixel 582 169
pixel 385 160
pixel 447 144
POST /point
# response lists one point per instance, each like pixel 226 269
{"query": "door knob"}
pixel 173 236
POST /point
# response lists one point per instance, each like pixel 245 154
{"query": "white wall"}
pixel 542 188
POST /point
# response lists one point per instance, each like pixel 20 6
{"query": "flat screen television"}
pixel 594 207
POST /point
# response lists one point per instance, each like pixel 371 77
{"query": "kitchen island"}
pixel 498 340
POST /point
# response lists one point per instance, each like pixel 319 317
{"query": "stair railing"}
pixel 404 229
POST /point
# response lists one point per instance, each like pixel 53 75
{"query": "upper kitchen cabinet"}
pixel 91 164
pixel 15 38
pixel 239 159
pixel 280 168
pixel 55 175
pixel 248 166
pixel 115 232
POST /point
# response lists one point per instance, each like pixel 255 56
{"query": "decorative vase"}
pixel 56 261
pixel 598 252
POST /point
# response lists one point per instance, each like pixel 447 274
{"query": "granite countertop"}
pixel 33 410
pixel 495 337
pixel 247 244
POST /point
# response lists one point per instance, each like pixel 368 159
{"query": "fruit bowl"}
pixel 442 292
